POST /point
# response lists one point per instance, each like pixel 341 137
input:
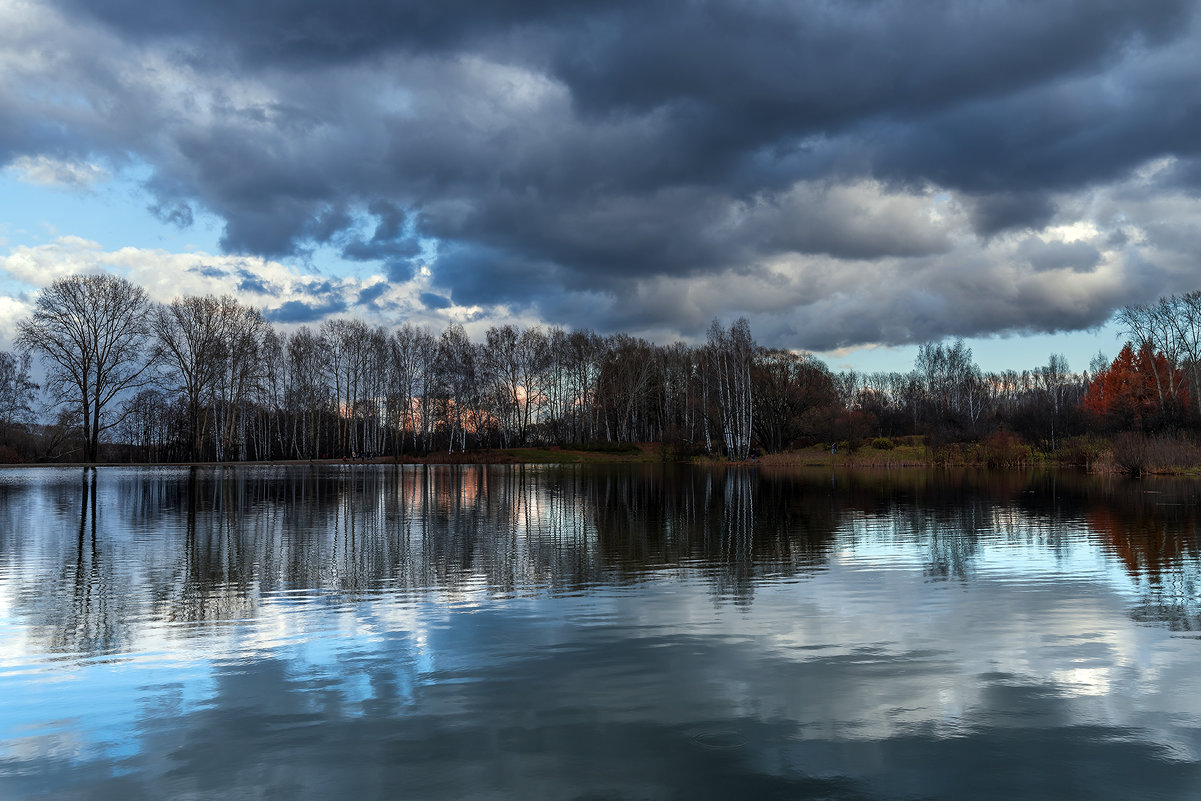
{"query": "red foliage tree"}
pixel 1139 390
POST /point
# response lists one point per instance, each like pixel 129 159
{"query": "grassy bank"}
pixel 600 453
pixel 1122 454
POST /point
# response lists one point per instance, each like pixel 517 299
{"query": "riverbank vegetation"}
pixel 210 379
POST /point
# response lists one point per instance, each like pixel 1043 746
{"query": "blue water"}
pixel 623 632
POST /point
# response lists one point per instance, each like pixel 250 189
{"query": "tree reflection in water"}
pixel 205 545
pixel 631 631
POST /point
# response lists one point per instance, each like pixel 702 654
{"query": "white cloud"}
pixel 262 283
pixel 46 171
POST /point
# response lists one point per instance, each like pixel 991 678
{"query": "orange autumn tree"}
pixel 1138 391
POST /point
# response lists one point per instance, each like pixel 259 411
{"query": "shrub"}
pixel 1004 449
pixel 1137 454
pixel 601 446
pixel 1085 451
pixel 883 444
pixel 1130 453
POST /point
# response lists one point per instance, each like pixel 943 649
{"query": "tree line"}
pixel 209 378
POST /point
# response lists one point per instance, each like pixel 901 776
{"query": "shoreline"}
pixel 901 457
pixel 641 455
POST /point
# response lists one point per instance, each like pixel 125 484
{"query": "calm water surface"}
pixel 570 633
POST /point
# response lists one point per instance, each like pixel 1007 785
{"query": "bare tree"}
pixel 787 390
pixel 580 355
pixel 1183 316
pixel 425 383
pixel 1149 326
pixel 345 365
pixel 91 329
pixel 626 373
pixel 273 399
pixel 191 350
pixel 515 362
pixel 1054 378
pixel 146 428
pixel 241 331
pixel 306 355
pixel 731 354
pixel 16 388
pixel 457 366
pixel 410 349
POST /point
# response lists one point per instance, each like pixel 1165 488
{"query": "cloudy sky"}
pixel 848 175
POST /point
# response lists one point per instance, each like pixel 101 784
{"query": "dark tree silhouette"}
pixel 91 329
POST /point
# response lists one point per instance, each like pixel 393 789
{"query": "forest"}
pixel 210 379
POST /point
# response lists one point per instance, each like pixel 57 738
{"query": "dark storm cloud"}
pixel 305 32
pixel 209 271
pixel 317 287
pixel 1074 131
pixel 326 225
pixel 1077 256
pixel 433 301
pixel 372 293
pixel 392 244
pixel 298 311
pixel 1005 211
pixel 176 213
pixel 560 153
pixel 252 283
pixel 389 241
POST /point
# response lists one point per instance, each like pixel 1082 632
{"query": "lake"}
pixel 613 632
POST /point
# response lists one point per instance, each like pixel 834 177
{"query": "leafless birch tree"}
pixel 191 351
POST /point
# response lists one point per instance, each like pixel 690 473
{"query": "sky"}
pixel 853 177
